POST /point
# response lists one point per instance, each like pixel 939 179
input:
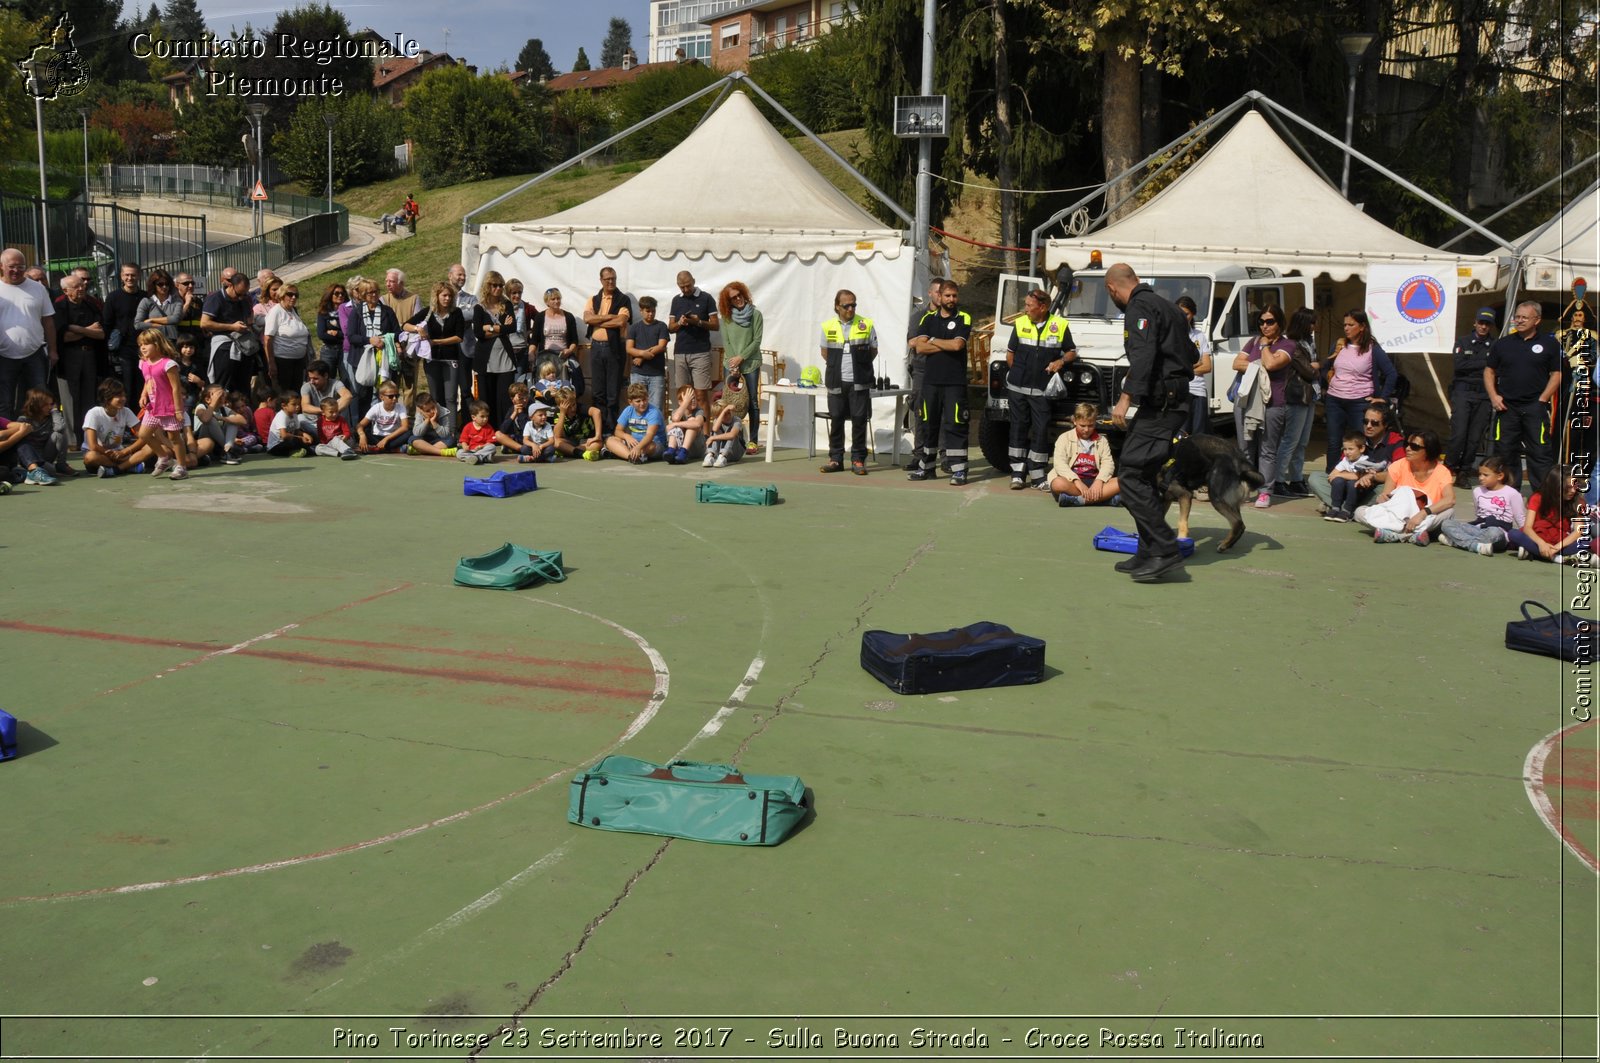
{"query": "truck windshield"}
pixel 1089 298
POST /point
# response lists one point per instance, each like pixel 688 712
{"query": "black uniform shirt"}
pixel 945 368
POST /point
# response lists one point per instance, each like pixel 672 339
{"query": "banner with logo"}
pixel 1412 308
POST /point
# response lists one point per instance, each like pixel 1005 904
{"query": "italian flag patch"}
pixel 1142 322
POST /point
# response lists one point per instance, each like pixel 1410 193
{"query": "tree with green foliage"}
pixel 210 132
pixel 98 32
pixel 183 20
pixel 534 60
pixel 310 22
pixel 637 100
pixel 576 120
pixel 145 130
pixel 467 127
pixel 814 84
pixel 582 62
pixel 618 42
pixel 18 34
pixel 365 131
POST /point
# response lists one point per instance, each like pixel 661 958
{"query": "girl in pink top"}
pixel 162 400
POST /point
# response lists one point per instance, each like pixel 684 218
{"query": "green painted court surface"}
pixel 276 766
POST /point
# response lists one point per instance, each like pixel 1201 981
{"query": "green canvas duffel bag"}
pixel 685 799
pixel 736 494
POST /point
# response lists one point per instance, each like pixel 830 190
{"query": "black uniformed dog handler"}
pixel 1161 361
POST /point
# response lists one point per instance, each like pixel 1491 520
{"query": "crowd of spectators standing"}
pixel 159 378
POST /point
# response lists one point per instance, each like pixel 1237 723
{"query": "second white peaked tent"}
pixel 733 201
pixel 1563 249
pixel 1250 200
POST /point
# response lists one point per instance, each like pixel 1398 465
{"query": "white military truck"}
pixel 1229 298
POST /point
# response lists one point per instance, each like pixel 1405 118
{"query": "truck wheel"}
pixel 994 439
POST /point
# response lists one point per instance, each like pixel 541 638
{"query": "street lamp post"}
pixel 83 112
pixel 36 89
pixel 257 110
pixel 1354 45
pixel 329 119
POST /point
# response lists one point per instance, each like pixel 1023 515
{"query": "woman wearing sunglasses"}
pixel 1422 493
pixel 1262 440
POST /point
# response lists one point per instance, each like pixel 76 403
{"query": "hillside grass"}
pixel 437 244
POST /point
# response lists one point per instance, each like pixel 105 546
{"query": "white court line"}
pixel 235 648
pixel 1533 783
pixel 734 702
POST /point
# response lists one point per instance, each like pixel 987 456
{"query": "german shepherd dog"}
pixel 1217 464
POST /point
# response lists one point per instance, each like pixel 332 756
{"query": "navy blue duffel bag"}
pixel 964 658
pixel 1565 635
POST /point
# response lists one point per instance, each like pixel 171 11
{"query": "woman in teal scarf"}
pixel 741 342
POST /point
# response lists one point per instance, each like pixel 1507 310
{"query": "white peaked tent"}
pixel 1563 249
pixel 1250 200
pixel 733 201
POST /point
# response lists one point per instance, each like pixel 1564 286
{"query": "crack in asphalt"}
pixel 1112 836
pixel 810 673
pixel 572 953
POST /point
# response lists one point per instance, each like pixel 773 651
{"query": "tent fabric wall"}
pixel 795 298
pixel 733 201
pixel 1251 200
pixel 1568 247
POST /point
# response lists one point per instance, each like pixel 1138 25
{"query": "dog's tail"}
pixel 1252 477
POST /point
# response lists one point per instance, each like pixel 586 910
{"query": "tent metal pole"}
pixel 466 221
pixel 1288 134
pixel 739 75
pixel 1431 200
pixel 714 105
pixel 1203 127
pixel 1520 200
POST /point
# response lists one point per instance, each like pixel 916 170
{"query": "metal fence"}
pixel 147 182
pixel 102 235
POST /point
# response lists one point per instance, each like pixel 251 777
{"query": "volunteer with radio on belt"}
pixel 1041 346
pixel 940 345
pixel 849 347
pixel 1160 366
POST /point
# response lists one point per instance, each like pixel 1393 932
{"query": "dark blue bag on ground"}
pixel 964 658
pixel 501 484
pixel 1121 542
pixel 8 735
pixel 1565 635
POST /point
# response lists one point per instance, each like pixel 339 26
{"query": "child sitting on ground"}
pixel 1551 533
pixel 432 429
pixel 249 439
pixel 1082 472
pixel 266 409
pixel 476 445
pixel 1342 481
pixel 577 433
pixel 1497 509
pixel 111 434
pixel 539 438
pixel 686 423
pixel 510 432
pixel 286 437
pixel 387 426
pixel 637 438
pixel 217 428
pixel 41 452
pixel 725 441
pixel 333 433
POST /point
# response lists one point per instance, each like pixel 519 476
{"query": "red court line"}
pixel 462 675
pixel 1533 780
pixel 109 636
pixel 1562 782
pixel 477 655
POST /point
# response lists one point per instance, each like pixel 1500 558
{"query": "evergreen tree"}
pixel 183 21
pixel 582 62
pixel 310 22
pixel 535 60
pixel 619 40
pixel 151 17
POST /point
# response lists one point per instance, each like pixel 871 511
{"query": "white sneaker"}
pixel 711 459
pixel 1486 549
pixel 721 462
pixel 162 467
pixel 179 473
pixel 1264 500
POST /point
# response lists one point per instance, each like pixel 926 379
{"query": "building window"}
pixel 730 36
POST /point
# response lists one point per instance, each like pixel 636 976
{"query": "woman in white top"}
pixel 286 341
